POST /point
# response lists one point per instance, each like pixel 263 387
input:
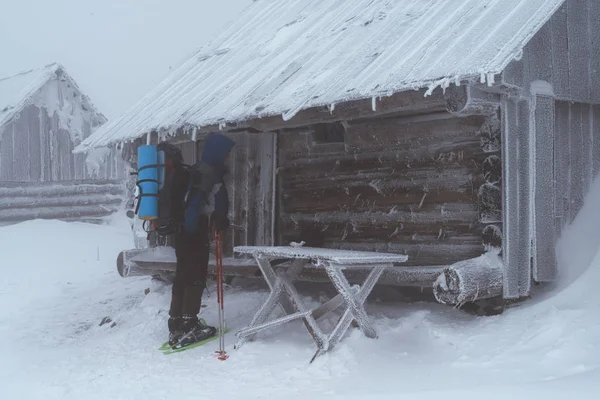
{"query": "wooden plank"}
pixel 594 54
pixel 596 140
pixel 562 157
pixel 21 148
pixel 525 198
pixel 48 201
pixel 514 73
pixel 260 181
pixel 6 153
pixel 393 231
pixel 544 258
pixel 240 180
pixel 578 161
pixel 365 198
pixel 54 144
pixel 75 212
pixel 35 165
pixel 45 139
pixel 378 134
pixel 540 55
pixel 511 220
pixel 232 190
pixel 560 50
pixel 265 195
pixel 253 168
pixel 579 51
pixel 588 146
pixel 65 155
pixel 428 255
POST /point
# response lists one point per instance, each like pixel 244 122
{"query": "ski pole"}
pixel 219 275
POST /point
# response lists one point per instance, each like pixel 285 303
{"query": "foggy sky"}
pixel 116 50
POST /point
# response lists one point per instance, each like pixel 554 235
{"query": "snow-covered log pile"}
pixel 470 280
pixel 72 200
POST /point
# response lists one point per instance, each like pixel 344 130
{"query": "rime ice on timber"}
pixel 441 130
pixel 43 116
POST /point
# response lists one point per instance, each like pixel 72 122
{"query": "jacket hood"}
pixel 215 149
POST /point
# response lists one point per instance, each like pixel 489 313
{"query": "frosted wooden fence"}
pixel 83 200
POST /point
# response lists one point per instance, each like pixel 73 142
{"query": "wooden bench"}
pixel 284 294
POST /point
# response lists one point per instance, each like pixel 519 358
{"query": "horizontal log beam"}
pixel 409 103
pixel 397 276
pixel 470 280
pixel 59 190
pixel 15 215
pixel 7 203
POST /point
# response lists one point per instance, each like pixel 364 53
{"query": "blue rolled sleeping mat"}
pixel 148 182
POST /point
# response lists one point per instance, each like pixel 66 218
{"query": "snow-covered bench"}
pixel 283 292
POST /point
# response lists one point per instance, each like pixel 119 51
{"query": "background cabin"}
pixel 399 127
pixel 43 117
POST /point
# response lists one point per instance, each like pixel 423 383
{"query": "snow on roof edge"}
pixel 140 119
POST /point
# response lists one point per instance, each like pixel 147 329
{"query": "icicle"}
pixel 445 84
pixel 195 134
pixel 148 139
pixel 482 77
pixel 374 103
pixel 491 79
pixel 222 125
pixel 457 80
pixel 331 108
pixel 430 89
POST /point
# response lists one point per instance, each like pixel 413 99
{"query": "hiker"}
pixel 206 208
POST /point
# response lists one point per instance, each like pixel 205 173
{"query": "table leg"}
pixel 275 297
pixel 309 322
pixel 355 309
pixel 261 316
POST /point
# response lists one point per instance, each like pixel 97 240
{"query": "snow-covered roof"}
pixel 282 56
pixel 18 91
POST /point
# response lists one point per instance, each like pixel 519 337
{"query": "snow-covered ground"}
pixel 58 280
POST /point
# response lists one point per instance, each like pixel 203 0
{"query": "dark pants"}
pixel 190 276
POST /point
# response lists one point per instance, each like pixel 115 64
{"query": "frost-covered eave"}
pixel 188 125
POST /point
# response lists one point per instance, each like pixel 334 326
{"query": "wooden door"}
pixel 251 186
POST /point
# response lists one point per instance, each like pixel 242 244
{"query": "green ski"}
pixel 166 349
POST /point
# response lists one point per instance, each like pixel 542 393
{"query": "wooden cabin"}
pixel 43 117
pixel 441 130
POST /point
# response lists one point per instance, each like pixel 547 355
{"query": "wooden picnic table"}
pixel 284 294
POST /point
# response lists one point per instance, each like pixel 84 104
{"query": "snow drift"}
pixel 58 281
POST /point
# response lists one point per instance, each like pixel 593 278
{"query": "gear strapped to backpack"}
pixel 171 193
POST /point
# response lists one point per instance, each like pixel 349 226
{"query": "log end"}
pixel 470 280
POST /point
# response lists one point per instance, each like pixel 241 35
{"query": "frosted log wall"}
pixel 407 185
pixel 81 200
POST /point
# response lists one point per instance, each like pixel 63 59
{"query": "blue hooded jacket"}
pixel 214 152
pixel 215 149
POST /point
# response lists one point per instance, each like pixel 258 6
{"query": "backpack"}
pixel 171 193
pixel 200 195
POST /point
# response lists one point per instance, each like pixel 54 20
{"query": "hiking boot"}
pixel 175 332
pixel 195 330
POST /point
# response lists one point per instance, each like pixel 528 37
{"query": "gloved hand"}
pixel 220 223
